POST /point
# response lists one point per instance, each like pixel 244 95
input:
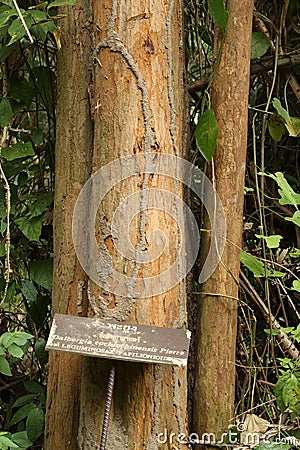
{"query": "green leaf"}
pixel 295 253
pixel 259 45
pixel 6 14
pixel 33 387
pixel 281 111
pixel 17 30
pixel 5 443
pixel 20 337
pixel 253 264
pixel 296 286
pixel 24 400
pixel 295 219
pixel 37 15
pixel 21 439
pixel 292 124
pixel 206 134
pixel 15 351
pixel 41 204
pixel 4 367
pixel 218 13
pixel 30 227
pixel 6 339
pixel 271 241
pixel 57 3
pixel 19 150
pixel 35 423
pixel 29 291
pixel 39 348
pixel 5 114
pixel 276 127
pixel 41 272
pixel 273 332
pixel 288 195
pixel 287 391
pixel 21 413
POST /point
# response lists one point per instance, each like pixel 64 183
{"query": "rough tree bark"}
pixel 217 322
pixel 136 103
pixel 73 153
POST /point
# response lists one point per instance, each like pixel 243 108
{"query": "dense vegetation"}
pixel 268 368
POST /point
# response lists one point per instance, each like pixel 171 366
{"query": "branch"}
pixel 263 65
pixel 283 338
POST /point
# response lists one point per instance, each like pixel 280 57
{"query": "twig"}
pixel 283 338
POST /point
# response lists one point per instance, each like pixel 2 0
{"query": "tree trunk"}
pixel 73 154
pixel 137 108
pixel 217 322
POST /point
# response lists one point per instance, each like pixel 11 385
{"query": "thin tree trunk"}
pixel 217 322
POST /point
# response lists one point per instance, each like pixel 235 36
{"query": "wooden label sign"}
pixel 115 340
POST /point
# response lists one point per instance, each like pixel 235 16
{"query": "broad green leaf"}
pixel 19 150
pixel 24 400
pixel 218 13
pixel 35 423
pixel 33 387
pixel 288 195
pixel 17 30
pixel 5 443
pixel 30 227
pixel 287 391
pixel 273 332
pixel 21 413
pixel 257 267
pixel 41 272
pixel 20 337
pixel 296 286
pixel 6 339
pixel 292 124
pixel 295 219
pixel 271 241
pixel 253 264
pixel 5 114
pixel 291 394
pixel 37 15
pixel 6 14
pixel 4 367
pixel 15 351
pixel 29 291
pixel 281 111
pixel 41 204
pixel 39 348
pixel 276 127
pixel 259 45
pixel 21 439
pixel 206 134
pixel 57 3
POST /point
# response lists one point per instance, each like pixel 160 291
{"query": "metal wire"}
pixel 110 390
